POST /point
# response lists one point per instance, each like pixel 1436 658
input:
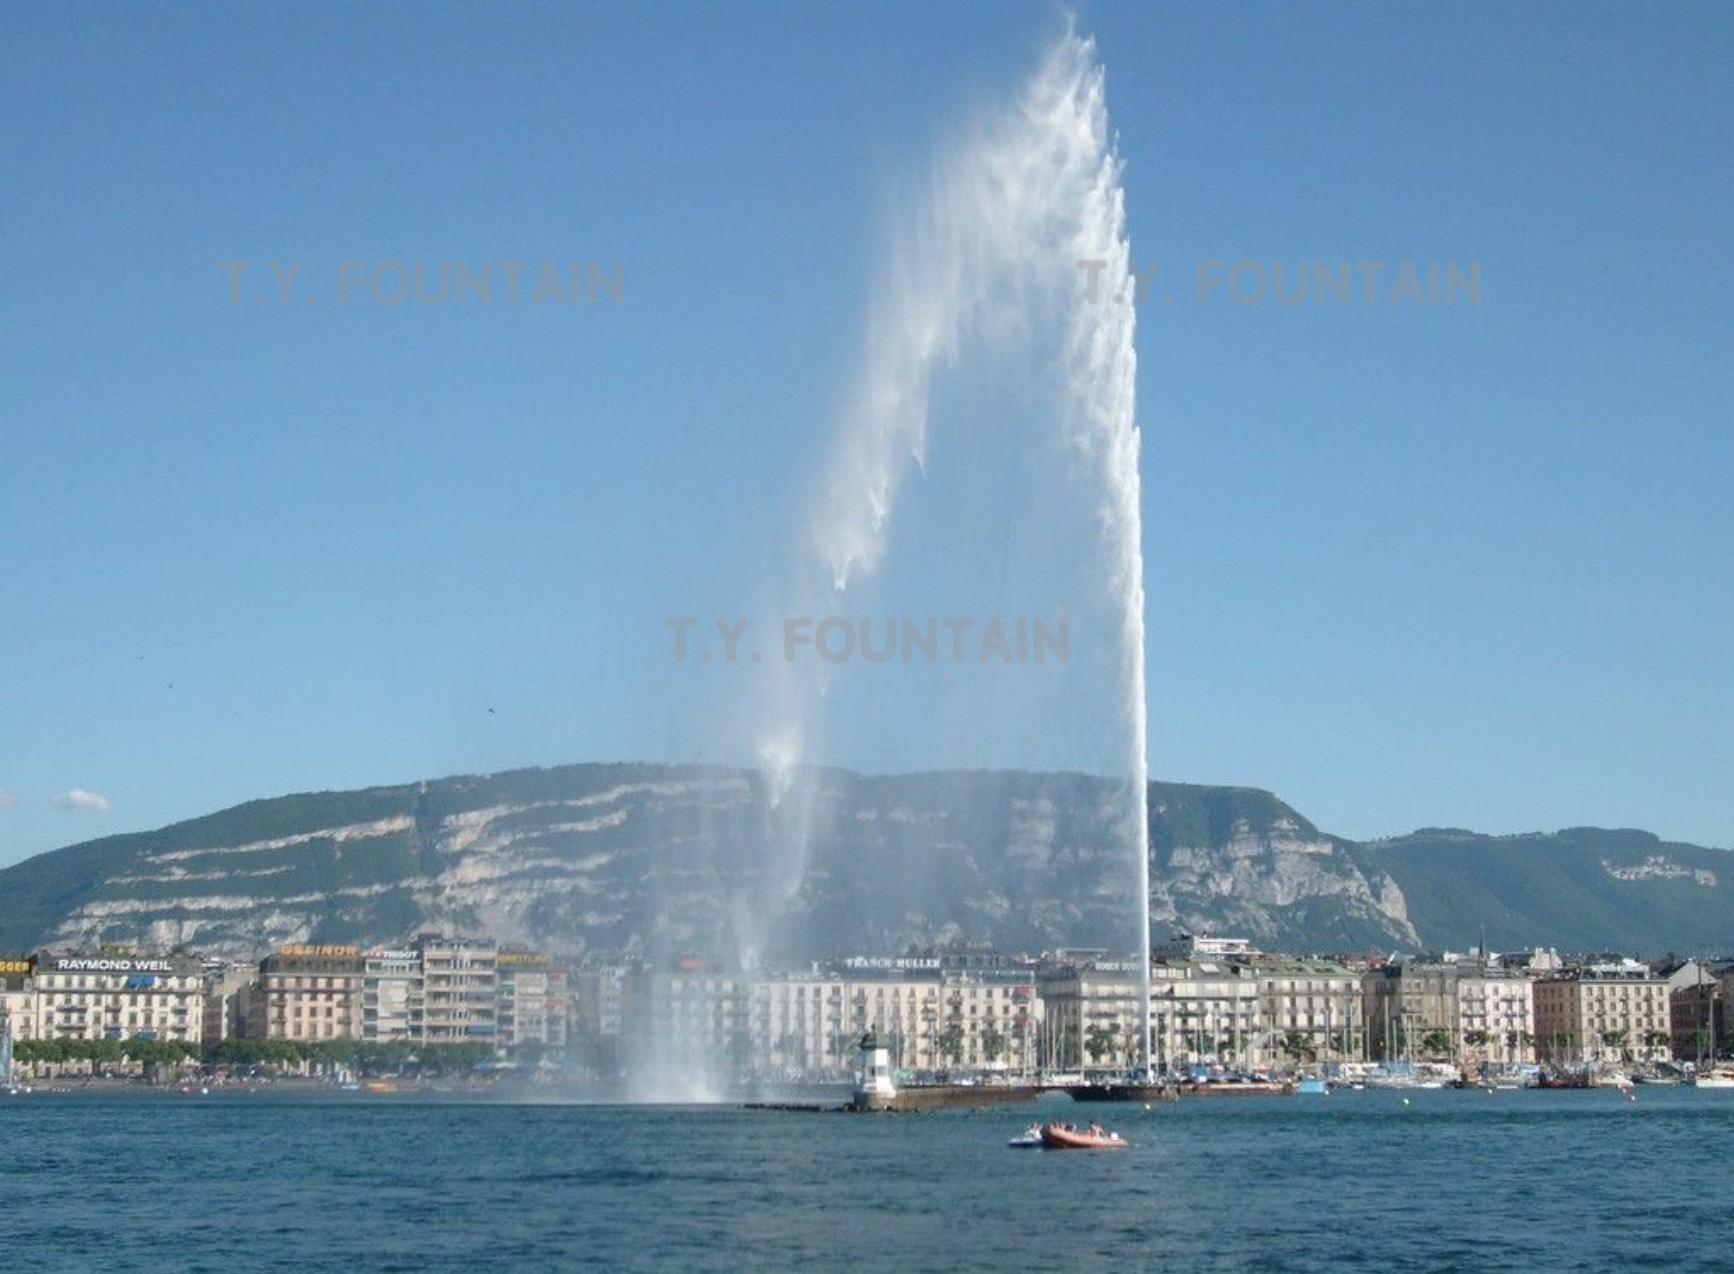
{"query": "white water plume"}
pixel 1018 236
pixel 1026 215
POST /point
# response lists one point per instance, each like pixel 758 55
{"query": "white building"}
pixel 460 983
pixel 392 1006
pixel 82 997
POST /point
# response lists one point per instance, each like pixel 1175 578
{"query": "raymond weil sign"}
pixel 109 964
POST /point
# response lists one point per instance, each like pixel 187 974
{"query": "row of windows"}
pixel 52 982
pixel 1329 986
pixel 73 997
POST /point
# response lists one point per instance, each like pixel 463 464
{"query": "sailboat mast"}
pixel 1709 1032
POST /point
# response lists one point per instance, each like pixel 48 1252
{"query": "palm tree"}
pixel 1099 1041
pixel 1615 1041
pixel 951 1044
pixel 992 1041
pixel 1656 1041
pixel 1436 1042
pixel 1565 1044
pixel 1701 1043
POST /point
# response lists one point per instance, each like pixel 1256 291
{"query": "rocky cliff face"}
pixel 666 860
pixel 1267 882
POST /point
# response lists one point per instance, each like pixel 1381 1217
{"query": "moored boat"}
pixel 1130 1090
pixel 1237 1086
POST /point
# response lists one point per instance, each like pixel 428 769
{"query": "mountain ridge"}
pixel 656 860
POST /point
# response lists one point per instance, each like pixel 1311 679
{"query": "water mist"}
pixel 1017 245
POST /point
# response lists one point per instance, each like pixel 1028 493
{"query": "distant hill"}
pixel 1581 889
pixel 659 860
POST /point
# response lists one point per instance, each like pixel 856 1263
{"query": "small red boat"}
pixel 1060 1137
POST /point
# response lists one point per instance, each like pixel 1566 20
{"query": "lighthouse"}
pixel 874 1088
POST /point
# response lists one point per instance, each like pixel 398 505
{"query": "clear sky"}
pixel 1408 563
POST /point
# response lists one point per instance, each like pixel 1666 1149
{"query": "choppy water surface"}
pixel 1520 1181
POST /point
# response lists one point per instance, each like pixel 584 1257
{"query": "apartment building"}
pixel 533 1001
pixel 228 987
pixel 17 998
pixel 600 1003
pixel 1203 1011
pixel 1608 1011
pixel 392 1006
pixel 1495 1015
pixel 460 986
pixel 1310 1008
pixel 689 1019
pixel 801 1027
pixel 309 993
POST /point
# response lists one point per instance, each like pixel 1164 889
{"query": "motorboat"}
pixel 1060 1137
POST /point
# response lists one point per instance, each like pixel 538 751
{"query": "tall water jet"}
pixel 1020 234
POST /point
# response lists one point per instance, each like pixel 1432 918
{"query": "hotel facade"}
pixel 1466 1010
pixel 1608 1011
pixel 102 997
pixel 965 1010
pixel 1208 1006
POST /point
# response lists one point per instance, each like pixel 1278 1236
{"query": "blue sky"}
pixel 1407 564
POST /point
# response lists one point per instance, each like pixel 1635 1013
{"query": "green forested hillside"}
pixel 1581 889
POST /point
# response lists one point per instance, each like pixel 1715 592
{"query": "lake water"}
pixel 1452 1181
